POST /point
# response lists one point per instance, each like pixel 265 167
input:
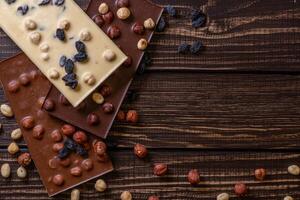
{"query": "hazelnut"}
pixel 56 135
pixel 128 62
pixel 57 147
pixel 153 198
pixel 122 3
pixel 138 28
pixel 35 37
pixel 240 189
pixel 13 148
pixel 34 74
pixel 6 110
pixel 21 172
pixel 5 170
pixel 103 8
pixel 294 170
pixel 45 56
pixel 58 180
pixel 63 100
pixel 100 185
pixel 87 164
pixel 99 147
pixel 66 162
pixel 113 32
pixel 108 108
pixel 30 24
pixel 160 169
pixel 98 98
pixel 123 13
pixel 109 55
pixel 149 24
pixel 193 177
pixel 49 105
pixel 89 78
pixel 98 20
pixel 64 24
pixel 132 116
pixel 140 151
pixel 121 116
pixel 24 159
pixel 85 35
pixel 288 198
pixel 75 194
pixel 93 119
pixel 53 73
pixel 44 47
pixel 80 137
pixel 68 130
pixel 24 79
pixel 27 122
pixel 38 132
pixel 53 163
pixel 142 44
pixel 16 134
pixel 76 171
pixel 105 90
pixel 126 195
pixel 13 86
pixel 260 174
pixel 223 196
pixel 108 17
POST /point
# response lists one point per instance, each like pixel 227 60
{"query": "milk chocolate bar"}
pixel 96 113
pixel 64 157
pixel 63 42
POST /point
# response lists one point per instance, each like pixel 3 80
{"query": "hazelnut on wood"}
pixel 100 185
pixel 126 195
pixel 149 24
pixel 142 44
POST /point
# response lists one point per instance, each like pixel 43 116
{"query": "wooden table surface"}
pixel 234 108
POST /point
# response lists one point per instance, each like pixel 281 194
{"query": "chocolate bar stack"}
pixel 67 86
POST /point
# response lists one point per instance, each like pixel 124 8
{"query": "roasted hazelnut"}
pixel 113 32
pixel 142 44
pixel 103 8
pixel 98 98
pixel 75 194
pixel 58 180
pixel 80 137
pixel 57 147
pixel 24 159
pixel 126 195
pixel 149 24
pixel 66 162
pixel 13 86
pixel 294 170
pixel 30 24
pixel 193 177
pixel 240 189
pixel 128 62
pixel 49 105
pixel 6 110
pixel 16 134
pixel 160 169
pixel 121 116
pixel 108 17
pixel 122 3
pixel 99 147
pixel 35 37
pixel 13 148
pixel 27 122
pixel 140 151
pixel 63 100
pixel 223 196
pixel 105 90
pixel 102 158
pixel 93 119
pixel 153 198
pixel 108 107
pixel 24 79
pixel 123 13
pixel 89 78
pixel 138 28
pixel 132 116
pixel 109 55
pixel 98 20
pixel 87 164
pixel 260 174
pixel 76 171
pixel 53 163
pixel 100 185
pixel 56 135
pixel 68 130
pixel 38 132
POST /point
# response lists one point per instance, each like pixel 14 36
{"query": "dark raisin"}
pixel 10 1
pixel 184 48
pixel 196 47
pixel 60 34
pixel 69 66
pixel 23 9
pixel 80 57
pixel 43 2
pixel 81 151
pixel 80 46
pixel 142 68
pixel 72 84
pixel 170 10
pixel 69 77
pixel 59 2
pixel 161 25
pixel 198 18
pixel 62 61
pixel 63 153
pixel 70 144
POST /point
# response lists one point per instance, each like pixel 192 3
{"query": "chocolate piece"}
pixel 119 82
pixel 26 108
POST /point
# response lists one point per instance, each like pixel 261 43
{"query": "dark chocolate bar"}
pixel 97 118
pixel 65 157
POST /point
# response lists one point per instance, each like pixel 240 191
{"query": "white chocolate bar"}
pixel 34 30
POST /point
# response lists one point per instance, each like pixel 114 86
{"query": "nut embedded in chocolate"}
pixel 13 86
pixel 53 163
pixel 58 180
pixel 80 137
pixel 108 108
pixel 87 164
pixel 57 147
pixel 93 119
pixel 68 130
pixel 76 171
pixel 140 150
pixel 193 177
pixel 105 90
pixel 38 132
pixel 27 122
pixel 98 20
pixel 99 147
pixel 138 28
pixel 49 105
pixel 114 32
pixel 24 79
pixel 56 135
pixel 24 159
pixel 160 169
pixel 108 17
pixel 122 3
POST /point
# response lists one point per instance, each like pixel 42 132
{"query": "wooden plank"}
pixel 199 110
pixel 249 36
pixel 219 170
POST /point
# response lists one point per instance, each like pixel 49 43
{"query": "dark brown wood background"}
pixel 230 110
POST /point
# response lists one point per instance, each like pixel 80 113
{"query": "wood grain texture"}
pixel 219 172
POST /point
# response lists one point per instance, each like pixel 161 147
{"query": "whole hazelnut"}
pixel 294 170
pixel 13 86
pixel 123 13
pixel 44 47
pixel 80 137
pixel 16 134
pixel 108 107
pixel 138 28
pixel 30 24
pixel 38 132
pixel 49 105
pixel 53 163
pixel 58 180
pixel 68 130
pixel 113 32
pixel 45 56
pixel 153 198
pixel 128 62
pixel 240 189
pixel 93 119
pixel 64 24
pixel 260 174
pixel 57 147
pixel 105 90
pixel 108 17
pixel 160 169
pixel 99 147
pixel 89 78
pixel 35 37
pixel 100 185
pixel 6 110
pixel 121 116
pixel 13 148
pixel 223 196
pixel 66 162
pixel 24 159
pixel 75 194
pixel 140 151
pixel 76 171
pixel 24 79
pixel 126 195
pixel 288 198
pixel 142 44
pixel 87 164
pixel 98 98
pixel 132 116
pixel 27 122
pixel 98 20
pixel 103 8
pixel 109 55
pixel 149 24
pixel 193 177
pixel 56 135
pixel 21 172
pixel 85 35
pixel 122 3
pixel 63 100
pixel 53 73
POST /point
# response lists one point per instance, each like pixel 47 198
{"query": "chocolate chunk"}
pixel 80 46
pixel 196 47
pixel 69 66
pixel 60 34
pixel 59 2
pixel 81 57
pixel 161 25
pixel 43 2
pixel 23 9
pixel 170 10
pixel 184 48
pixel 87 164
pixel 62 61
